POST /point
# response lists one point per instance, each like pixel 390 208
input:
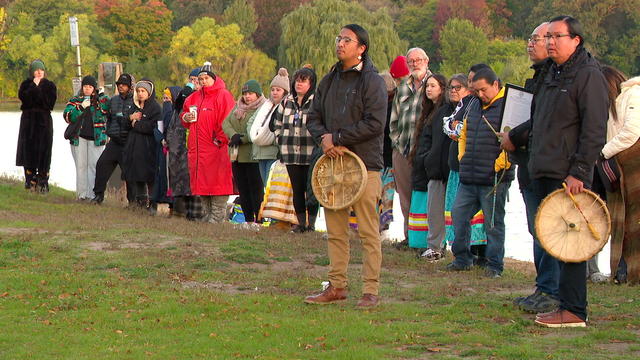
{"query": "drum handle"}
pixel 575 203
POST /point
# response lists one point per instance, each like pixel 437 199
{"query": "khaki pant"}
pixel 368 230
pixel 402 177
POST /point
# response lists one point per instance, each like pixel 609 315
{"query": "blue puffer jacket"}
pixel 482 147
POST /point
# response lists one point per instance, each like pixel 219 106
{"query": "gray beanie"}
pixel 282 80
pixel 147 85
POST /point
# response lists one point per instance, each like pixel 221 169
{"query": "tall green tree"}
pixel 48 12
pixel 267 35
pixel 188 11
pixel 241 12
pixel 224 47
pixel 416 25
pixel 308 34
pixel 463 44
pixel 508 58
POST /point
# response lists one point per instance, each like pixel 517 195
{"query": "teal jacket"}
pixel 100 109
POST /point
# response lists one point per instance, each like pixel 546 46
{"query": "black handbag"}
pixel 73 129
pixel 609 173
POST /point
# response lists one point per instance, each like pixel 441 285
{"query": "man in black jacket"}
pixel 349 112
pixel 485 177
pixel 568 130
pixel 120 107
pixel 545 297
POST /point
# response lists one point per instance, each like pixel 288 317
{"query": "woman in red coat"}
pixel 209 165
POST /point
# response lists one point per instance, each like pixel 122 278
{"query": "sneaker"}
pixel 540 304
pixel 492 274
pixel 455 267
pixel 560 319
pixel 432 255
pixel 522 299
pixel 598 278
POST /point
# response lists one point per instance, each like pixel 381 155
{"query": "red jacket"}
pixel 209 164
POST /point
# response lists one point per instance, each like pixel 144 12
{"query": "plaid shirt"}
pixel 405 111
pixel 295 142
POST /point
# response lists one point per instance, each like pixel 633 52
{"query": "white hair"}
pixel 420 50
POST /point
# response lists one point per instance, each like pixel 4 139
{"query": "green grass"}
pixel 102 282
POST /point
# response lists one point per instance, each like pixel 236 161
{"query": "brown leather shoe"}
pixel 367 301
pixel 560 319
pixel 329 296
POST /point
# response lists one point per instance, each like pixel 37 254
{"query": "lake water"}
pixel 518 243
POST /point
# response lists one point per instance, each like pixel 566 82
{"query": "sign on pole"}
pixel 73 24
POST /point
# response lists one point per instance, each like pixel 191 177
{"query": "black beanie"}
pixel 207 69
pixel 90 80
pixel 125 79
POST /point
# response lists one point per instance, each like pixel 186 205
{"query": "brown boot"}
pixel 367 301
pixel 329 296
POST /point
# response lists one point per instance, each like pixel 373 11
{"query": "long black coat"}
pixel 176 137
pixel 35 138
pixel 139 155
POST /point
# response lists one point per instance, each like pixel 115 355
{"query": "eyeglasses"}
pixel 347 40
pixel 415 61
pixel 455 88
pixel 555 37
pixel 535 39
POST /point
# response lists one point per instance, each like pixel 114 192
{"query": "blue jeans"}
pixel 547 267
pixel 265 167
pixel 469 200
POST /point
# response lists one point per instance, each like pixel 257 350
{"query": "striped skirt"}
pixel 478 235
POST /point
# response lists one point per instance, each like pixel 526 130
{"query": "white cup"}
pixel 193 109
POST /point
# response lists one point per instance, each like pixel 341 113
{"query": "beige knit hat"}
pixel 282 80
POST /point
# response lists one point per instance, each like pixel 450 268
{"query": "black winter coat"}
pixel 352 106
pixel 139 154
pixel 519 135
pixel 35 138
pixel 482 147
pixel 569 122
pixel 436 145
pixel 118 123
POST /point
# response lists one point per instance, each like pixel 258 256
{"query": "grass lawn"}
pixel 79 281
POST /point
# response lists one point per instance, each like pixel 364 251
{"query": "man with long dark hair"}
pixel 349 112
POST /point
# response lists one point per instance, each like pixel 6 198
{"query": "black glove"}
pixel 235 140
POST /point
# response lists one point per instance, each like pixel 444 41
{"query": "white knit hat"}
pixel 282 80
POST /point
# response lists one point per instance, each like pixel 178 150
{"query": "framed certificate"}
pixel 516 108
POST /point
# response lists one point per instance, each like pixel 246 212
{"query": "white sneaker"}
pixel 432 255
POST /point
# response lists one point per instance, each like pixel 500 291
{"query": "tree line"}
pixel 246 39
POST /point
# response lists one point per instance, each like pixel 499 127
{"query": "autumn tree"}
pixel 476 11
pixel 463 44
pixel 143 27
pixel 224 47
pixel 308 34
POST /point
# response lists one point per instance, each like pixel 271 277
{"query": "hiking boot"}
pixel 402 245
pixel 98 199
pixel 540 304
pixel 522 299
pixel 367 301
pixel 560 319
pixel 455 267
pixel 432 255
pixel 298 229
pixel 329 295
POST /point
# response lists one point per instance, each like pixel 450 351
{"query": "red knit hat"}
pixel 399 67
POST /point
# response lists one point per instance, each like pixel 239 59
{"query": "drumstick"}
pixel 575 203
pixel 490 127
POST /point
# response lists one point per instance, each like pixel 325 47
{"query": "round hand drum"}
pixel 340 182
pixel 573 232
